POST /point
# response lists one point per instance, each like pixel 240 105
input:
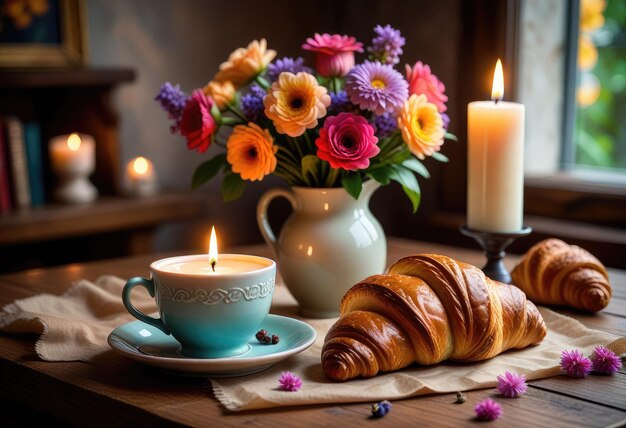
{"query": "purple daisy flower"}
pixel 289 382
pixel 252 103
pixel 605 361
pixel 385 124
pixel 488 410
pixel 286 64
pixel 339 103
pixel 512 385
pixel 376 87
pixel 172 99
pixel 575 364
pixel 387 45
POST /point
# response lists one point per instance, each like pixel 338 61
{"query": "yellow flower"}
pixel 587 53
pixel 421 126
pixel 295 102
pixel 245 63
pixel 221 93
pixel 588 91
pixel 250 151
pixel 591 17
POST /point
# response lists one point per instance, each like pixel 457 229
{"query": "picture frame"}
pixel 53 34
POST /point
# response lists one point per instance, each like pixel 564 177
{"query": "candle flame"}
pixel 213 255
pixel 141 165
pixel 497 90
pixel 73 142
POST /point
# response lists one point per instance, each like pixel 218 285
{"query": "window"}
pixel 599 135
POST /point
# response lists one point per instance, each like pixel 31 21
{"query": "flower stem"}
pixel 332 177
pixel 236 112
pixel 263 83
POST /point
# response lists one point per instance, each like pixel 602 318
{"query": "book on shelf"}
pixel 18 161
pixel 32 140
pixel 5 186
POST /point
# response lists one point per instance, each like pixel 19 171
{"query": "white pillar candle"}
pixel 140 177
pixel 73 159
pixel 495 188
pixel 72 152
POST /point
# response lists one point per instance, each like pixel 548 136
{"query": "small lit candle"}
pixel 215 264
pixel 73 159
pixel 495 134
pixel 140 177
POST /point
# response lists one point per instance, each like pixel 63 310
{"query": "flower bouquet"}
pixel 339 124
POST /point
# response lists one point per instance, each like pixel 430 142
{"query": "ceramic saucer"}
pixel 149 345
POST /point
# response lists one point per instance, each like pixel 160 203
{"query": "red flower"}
pixel 334 54
pixel 347 141
pixel 197 125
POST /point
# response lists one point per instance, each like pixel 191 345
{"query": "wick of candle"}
pixel 213 265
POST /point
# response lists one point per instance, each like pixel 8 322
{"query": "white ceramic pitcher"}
pixel 329 243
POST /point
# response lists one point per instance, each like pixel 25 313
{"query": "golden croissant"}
pixel 555 273
pixel 427 309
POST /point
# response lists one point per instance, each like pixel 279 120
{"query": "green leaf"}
pixel 310 165
pixel 232 187
pixel 353 183
pixel 207 170
pixel 409 184
pixel 416 166
pixel 217 115
pixel 451 136
pixel 399 156
pixel 381 174
pixel 441 158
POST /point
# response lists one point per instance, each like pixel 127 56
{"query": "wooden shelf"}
pixel 107 214
pixel 51 78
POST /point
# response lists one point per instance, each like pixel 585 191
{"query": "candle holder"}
pixel 493 244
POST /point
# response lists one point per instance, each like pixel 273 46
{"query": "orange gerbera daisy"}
pixel 221 93
pixel 295 102
pixel 250 151
pixel 245 63
pixel 421 126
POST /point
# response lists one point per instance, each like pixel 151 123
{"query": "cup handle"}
pixel 149 284
pixel 261 214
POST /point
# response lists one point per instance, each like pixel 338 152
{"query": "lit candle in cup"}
pixel 73 159
pixel 215 264
pixel 140 179
pixel 212 313
pixel 495 191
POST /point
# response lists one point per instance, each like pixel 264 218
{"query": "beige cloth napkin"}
pixel 261 390
pixel 75 325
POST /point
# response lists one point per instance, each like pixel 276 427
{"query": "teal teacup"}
pixel 211 314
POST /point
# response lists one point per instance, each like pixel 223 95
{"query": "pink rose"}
pixel 197 124
pixel 347 141
pixel 334 54
pixel 422 81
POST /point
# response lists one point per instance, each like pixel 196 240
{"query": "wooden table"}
pixel 114 391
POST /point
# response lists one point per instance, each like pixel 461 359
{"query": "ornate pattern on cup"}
pixel 213 297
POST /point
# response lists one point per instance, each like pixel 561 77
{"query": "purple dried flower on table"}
pixel 376 87
pixel 488 410
pixel 289 382
pixel 286 64
pixel 252 103
pixel 381 408
pixel 387 45
pixel 605 361
pixel 339 103
pixel 575 364
pixel 512 385
pixel 385 124
pixel 172 100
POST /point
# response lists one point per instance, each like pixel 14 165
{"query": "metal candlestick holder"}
pixel 494 244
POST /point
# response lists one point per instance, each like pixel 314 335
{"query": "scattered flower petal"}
pixel 605 361
pixel 575 364
pixel 289 382
pixel 488 410
pixel 512 385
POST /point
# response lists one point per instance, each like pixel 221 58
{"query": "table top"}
pixel 111 389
